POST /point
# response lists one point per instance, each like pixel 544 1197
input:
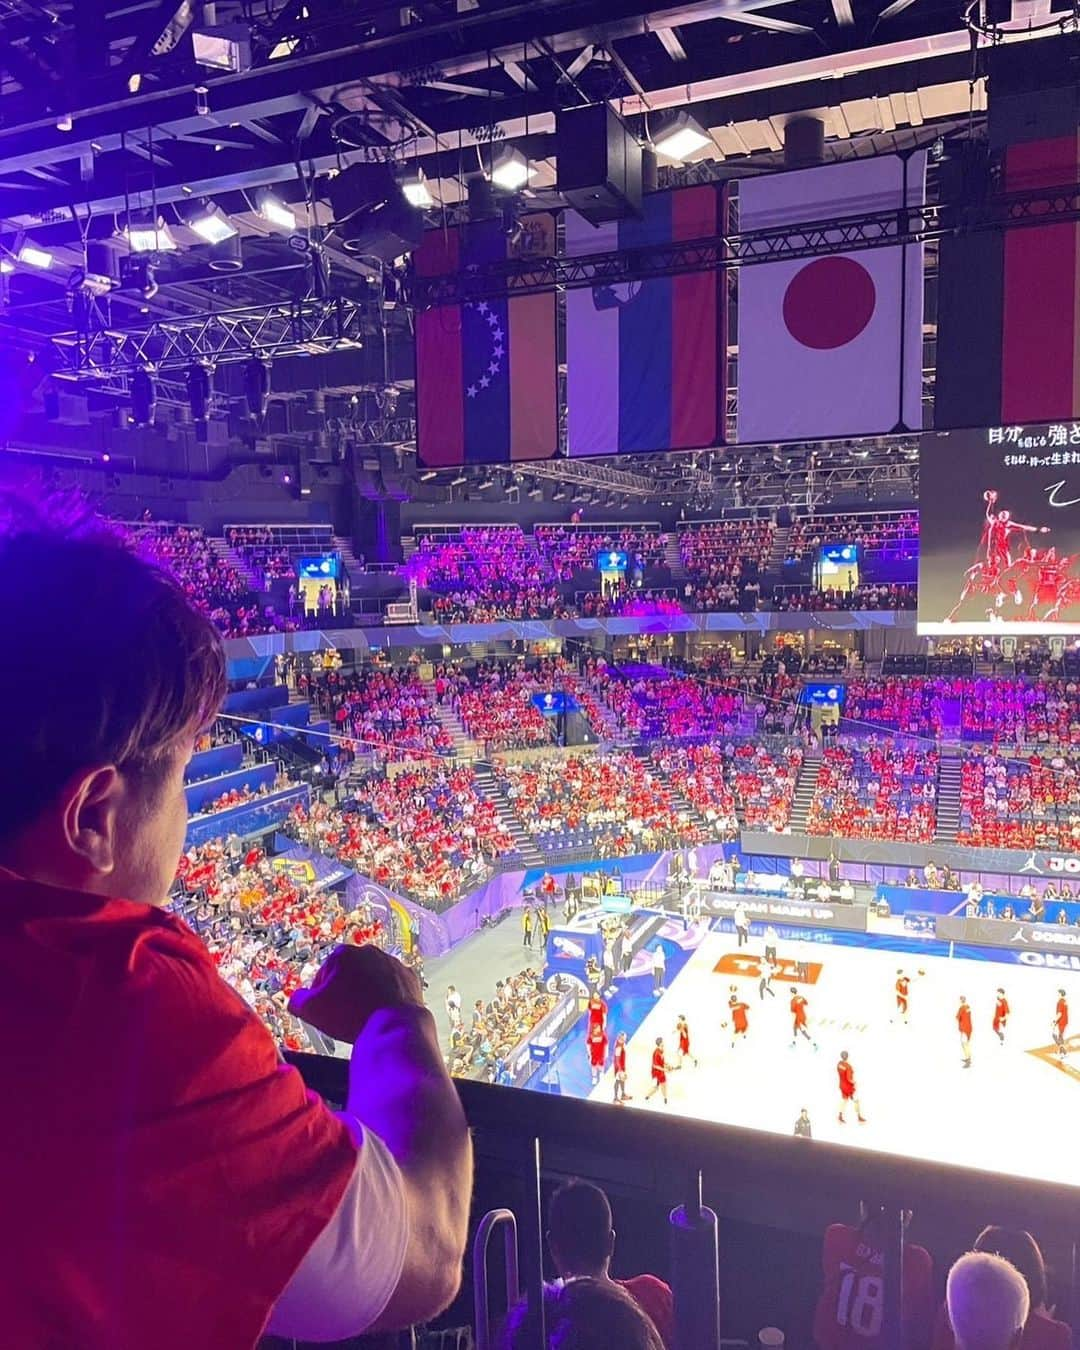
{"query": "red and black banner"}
pixel 1008 347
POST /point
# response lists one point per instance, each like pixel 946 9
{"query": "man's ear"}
pixel 90 806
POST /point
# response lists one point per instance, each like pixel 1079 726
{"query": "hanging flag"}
pixel 1008 346
pixel 486 370
pixel 642 367
pixel 832 345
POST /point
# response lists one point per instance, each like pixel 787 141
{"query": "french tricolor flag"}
pixel 643 361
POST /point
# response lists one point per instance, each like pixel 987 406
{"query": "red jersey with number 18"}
pixel 850 1311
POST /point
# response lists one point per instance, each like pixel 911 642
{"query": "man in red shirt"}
pixel 850 1310
pixel 618 1064
pixel 582 1243
pixel 963 1025
pixel 1001 1015
pixel 152 1142
pixel 658 1071
pixel 597 1047
pixel 903 987
pixel 740 1021
pixel 798 1018
pixel 848 1092
pixel 1061 1023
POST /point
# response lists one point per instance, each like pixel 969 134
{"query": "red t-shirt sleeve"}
pixel 655 1298
pixel 173 1173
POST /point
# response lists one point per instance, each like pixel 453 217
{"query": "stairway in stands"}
pixel 774 565
pixel 524 843
pixel 254 578
pixel 804 790
pixel 463 746
pixel 948 800
pixel 353 566
pixel 673 559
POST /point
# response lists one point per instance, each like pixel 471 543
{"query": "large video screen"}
pixel 999 531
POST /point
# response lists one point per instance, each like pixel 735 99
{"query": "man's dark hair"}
pixel 579 1225
pixel 106 661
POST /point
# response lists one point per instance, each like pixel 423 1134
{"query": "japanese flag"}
pixel 831 345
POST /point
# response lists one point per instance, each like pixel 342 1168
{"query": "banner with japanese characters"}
pixel 999 531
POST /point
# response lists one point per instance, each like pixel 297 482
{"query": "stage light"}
pixel 535 493
pixel 65 122
pixel 198 392
pixel 223 46
pixel 428 475
pixel 459 481
pixel 681 137
pixel 144 234
pixel 416 190
pixel 33 256
pixel 143 397
pixel 257 386
pixel 486 483
pixel 202 101
pixel 228 256
pixel 7 266
pixel 511 170
pixel 274 211
pixel 209 222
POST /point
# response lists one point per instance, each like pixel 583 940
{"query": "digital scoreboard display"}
pixel 999 531
pixel 319 567
pixel 612 560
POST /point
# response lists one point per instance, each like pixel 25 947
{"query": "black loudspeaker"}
pixel 599 163
pixel 1034 90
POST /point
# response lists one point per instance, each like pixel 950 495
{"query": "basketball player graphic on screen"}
pixel 996 572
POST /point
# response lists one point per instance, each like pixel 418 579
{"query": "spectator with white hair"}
pixel 988 1302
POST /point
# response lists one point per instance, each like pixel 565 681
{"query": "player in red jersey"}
pixel 848 1090
pixel 740 1021
pixel 963 1025
pixel 597 1010
pixel 903 987
pixel 850 1311
pixel 682 1030
pixel 596 1041
pixel 1001 1015
pixel 1061 1023
pixel 798 1017
pixel 659 1071
pixel 618 1063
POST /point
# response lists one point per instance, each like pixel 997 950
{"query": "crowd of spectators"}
pixel 729 783
pixel 1020 802
pixel 266 933
pixel 482 1041
pixel 628 602
pixel 614 801
pixel 208 580
pixel 426 832
pixel 882 529
pixel 238 796
pixel 876 790
pixel 261 551
pixel 496 708
pixel 1003 710
pixel 764 783
pixel 496 601
pixel 869 595
pixel 387 709
pixel 573 548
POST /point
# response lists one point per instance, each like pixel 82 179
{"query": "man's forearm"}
pixel 400 1088
pixel 399 1085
